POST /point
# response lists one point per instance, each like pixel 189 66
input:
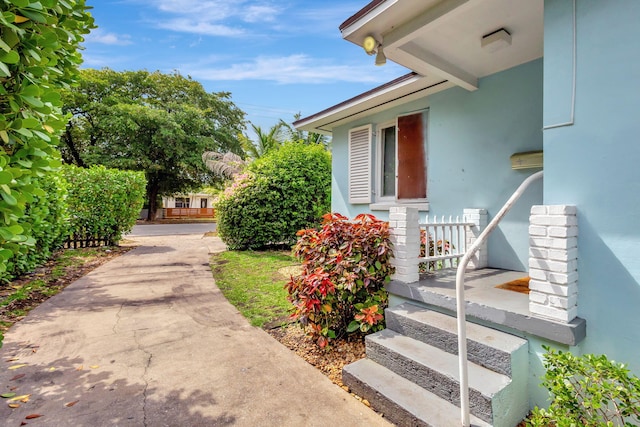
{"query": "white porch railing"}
pixel 443 243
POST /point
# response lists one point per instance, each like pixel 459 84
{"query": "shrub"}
pixel 345 266
pixel 284 191
pixel 103 203
pixel 39 44
pixel 587 391
pixel 45 220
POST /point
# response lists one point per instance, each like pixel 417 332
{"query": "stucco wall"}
pixel 593 164
pixel 471 136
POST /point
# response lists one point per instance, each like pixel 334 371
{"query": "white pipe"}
pixel 460 302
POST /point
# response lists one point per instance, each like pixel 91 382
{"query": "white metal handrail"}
pixel 460 302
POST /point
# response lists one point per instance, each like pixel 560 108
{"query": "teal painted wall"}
pixel 593 164
pixel 471 136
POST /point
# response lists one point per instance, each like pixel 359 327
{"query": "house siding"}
pixel 471 136
pixel 604 184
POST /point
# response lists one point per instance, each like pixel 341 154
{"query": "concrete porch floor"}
pixel 486 304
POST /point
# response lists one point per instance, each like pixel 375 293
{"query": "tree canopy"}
pixel 153 122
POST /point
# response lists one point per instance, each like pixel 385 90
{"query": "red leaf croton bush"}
pixel 345 267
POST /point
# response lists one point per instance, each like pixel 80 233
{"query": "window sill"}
pixel 384 206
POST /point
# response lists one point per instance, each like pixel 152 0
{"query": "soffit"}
pixel 443 38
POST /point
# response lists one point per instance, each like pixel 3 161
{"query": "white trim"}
pixel 385 206
pixel 380 160
pixel 359 164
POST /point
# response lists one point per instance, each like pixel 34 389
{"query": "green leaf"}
pixel 9 199
pixel 11 57
pixel 4 70
pixel 35 16
pixel 5 177
pixel 4 46
pixel 20 3
pixel 7 395
pixel 353 326
pixel 32 101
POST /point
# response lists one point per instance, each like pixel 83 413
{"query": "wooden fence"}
pixel 189 213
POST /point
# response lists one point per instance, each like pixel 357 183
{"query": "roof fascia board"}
pixel 363 20
pixel 360 99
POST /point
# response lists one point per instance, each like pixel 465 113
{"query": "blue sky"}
pixel 276 57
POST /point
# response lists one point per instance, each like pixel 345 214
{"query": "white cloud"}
pixel 260 13
pixel 294 69
pixel 186 25
pixel 212 17
pixel 99 36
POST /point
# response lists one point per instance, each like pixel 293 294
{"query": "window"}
pixel 203 203
pixel 402 159
pixel 182 202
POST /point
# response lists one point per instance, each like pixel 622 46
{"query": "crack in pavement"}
pixel 144 378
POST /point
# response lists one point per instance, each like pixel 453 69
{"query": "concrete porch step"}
pixel 486 347
pixel 400 400
pixel 436 371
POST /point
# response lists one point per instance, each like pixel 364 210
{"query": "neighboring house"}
pixel 493 83
pixel 192 205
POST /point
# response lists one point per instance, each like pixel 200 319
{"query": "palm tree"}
pixel 265 141
pixel 225 165
pixel 303 136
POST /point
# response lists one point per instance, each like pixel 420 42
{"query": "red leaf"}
pixel 32 416
pixel 17 377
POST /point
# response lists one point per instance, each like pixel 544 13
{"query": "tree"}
pixel 296 135
pixel 224 165
pixel 153 122
pixel 266 141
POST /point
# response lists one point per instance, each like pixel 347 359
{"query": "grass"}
pixel 252 283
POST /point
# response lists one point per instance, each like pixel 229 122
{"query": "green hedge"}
pixel 45 220
pixel 103 203
pixel 39 54
pixel 284 191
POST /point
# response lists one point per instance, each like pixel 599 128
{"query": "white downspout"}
pixel 460 302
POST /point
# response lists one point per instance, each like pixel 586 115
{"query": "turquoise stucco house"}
pixel 498 90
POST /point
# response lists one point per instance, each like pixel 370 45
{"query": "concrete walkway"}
pixel 148 340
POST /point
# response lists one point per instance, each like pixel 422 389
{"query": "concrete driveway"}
pixel 148 340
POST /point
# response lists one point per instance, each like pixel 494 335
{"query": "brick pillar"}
pixel 553 262
pixel 405 236
pixel 480 219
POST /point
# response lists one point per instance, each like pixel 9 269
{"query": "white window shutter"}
pixel 360 164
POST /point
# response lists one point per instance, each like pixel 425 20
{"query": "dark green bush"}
pixel 45 221
pixel 345 266
pixel 286 190
pixel 589 390
pixel 103 203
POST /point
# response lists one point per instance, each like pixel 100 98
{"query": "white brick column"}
pixel 480 219
pixel 405 236
pixel 553 262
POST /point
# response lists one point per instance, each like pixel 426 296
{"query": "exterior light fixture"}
pixel 374 47
pixel 496 40
pixel 380 58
